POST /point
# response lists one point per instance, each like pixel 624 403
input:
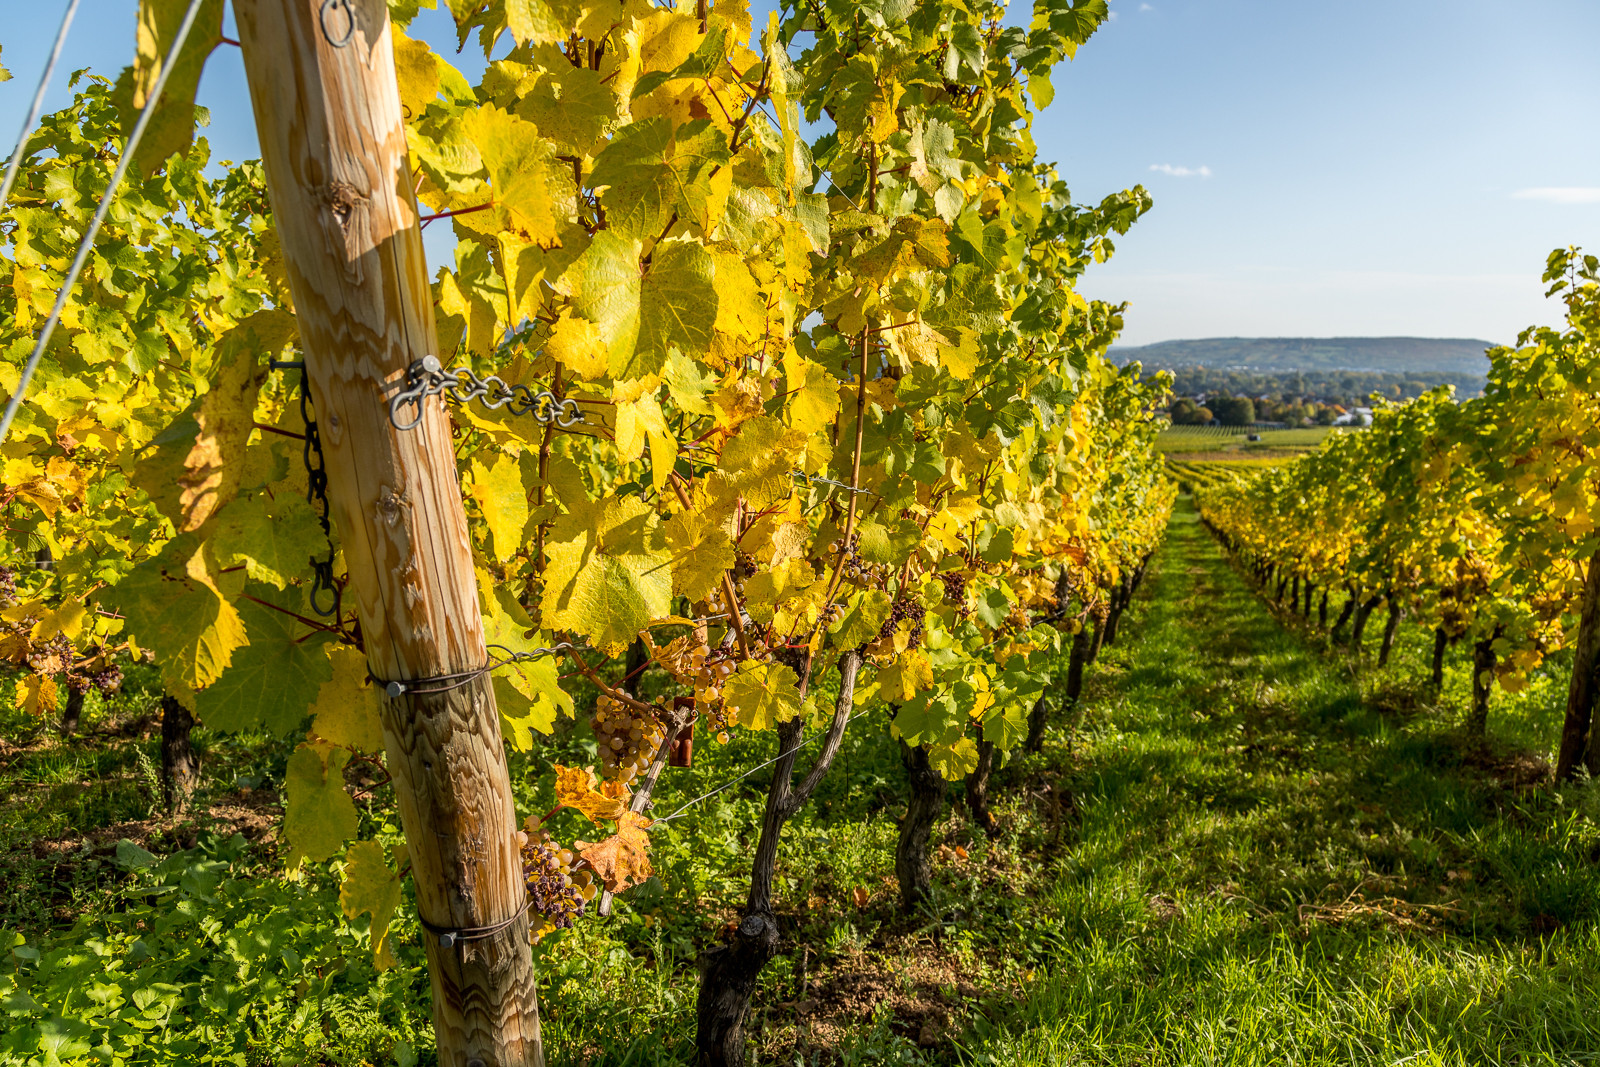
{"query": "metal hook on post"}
pixel 349 22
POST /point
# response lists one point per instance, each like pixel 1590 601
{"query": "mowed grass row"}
pixel 1247 853
pixel 1282 862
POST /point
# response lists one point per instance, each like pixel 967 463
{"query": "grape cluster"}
pixel 555 891
pixel 854 568
pixel 8 586
pixel 52 656
pixel 955 586
pixel 905 609
pixel 108 680
pixel 628 739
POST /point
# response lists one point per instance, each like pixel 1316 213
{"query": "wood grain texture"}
pixel 333 144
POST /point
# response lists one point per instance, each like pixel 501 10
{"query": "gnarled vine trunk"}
pixel 1322 610
pixel 728 973
pixel 1344 617
pixel 1363 613
pixel 1578 740
pixel 911 863
pixel 1389 628
pixel 1441 640
pixel 1095 639
pixel 72 713
pixel 180 763
pixel 1483 660
pixel 978 789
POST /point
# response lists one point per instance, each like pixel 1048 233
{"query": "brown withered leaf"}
pixel 621 860
pixel 575 788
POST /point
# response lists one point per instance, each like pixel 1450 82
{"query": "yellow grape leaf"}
pixel 174 609
pixel 766 589
pixel 578 344
pixel 526 177
pixel 862 619
pixel 318 815
pixel 528 694
pixel 814 395
pixel 640 421
pixel 417 70
pixel 576 787
pixel 369 885
pixel 37 694
pixel 621 860
pixel 761 695
pixel 702 552
pixel 954 761
pixel 348 706
pixel 607 574
pixel 66 619
pixel 678 303
pixel 500 494
pixel 572 106
pixel 604 286
pixel 226 417
pixel 171 127
pixel 909 674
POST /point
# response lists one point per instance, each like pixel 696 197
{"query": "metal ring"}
pixel 350 22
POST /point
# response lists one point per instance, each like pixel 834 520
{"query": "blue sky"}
pixel 1364 167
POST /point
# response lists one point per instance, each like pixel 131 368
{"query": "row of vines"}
pixel 1479 520
pixel 850 446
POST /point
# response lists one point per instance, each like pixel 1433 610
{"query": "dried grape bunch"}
pixel 628 739
pixel 556 892
pixel 955 587
pixel 905 609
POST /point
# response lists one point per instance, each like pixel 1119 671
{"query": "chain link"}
pixel 323 581
pixel 427 377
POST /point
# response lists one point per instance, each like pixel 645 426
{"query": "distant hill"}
pixel 1277 354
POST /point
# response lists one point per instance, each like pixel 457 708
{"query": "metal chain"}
pixel 316 494
pixel 427 377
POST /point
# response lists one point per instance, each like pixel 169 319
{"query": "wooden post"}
pixel 322 85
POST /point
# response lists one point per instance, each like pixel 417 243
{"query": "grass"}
pixel 1253 850
pixel 1234 439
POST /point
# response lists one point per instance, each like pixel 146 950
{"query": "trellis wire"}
pixel 36 106
pixel 87 243
pixel 735 781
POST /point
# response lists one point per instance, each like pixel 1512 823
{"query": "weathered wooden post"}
pixel 322 84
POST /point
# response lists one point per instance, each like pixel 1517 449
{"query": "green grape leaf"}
pixel 274 537
pixel 271 682
pixel 607 574
pixel 173 607
pixel 370 886
pixel 348 706
pixel 318 814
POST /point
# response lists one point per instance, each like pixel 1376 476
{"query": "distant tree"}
pixel 1325 416
pixel 1203 415
pixel 1234 410
pixel 1182 411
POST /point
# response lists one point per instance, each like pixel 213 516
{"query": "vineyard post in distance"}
pixel 333 144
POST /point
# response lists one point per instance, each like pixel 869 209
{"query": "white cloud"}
pixel 1146 7
pixel 1181 172
pixel 1578 194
